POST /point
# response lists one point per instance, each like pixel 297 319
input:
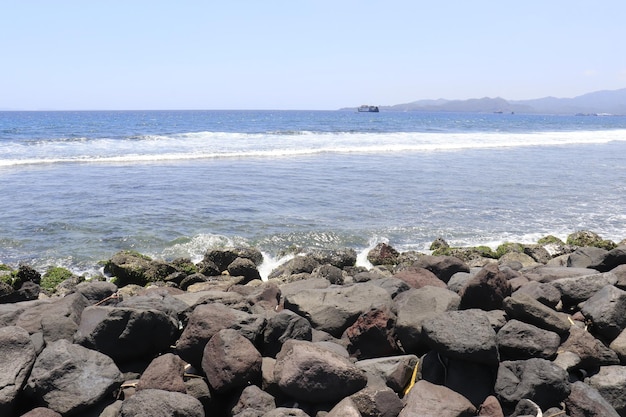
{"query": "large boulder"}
pixel 519 340
pixel 208 319
pixel 610 382
pixel 377 401
pixel 253 401
pixel 125 333
pixel 231 361
pixel 586 256
pixel 159 403
pixel 284 326
pixel 465 335
pixel 538 380
pixel 590 351
pixel 225 256
pixel 575 290
pixel 308 372
pixel 129 267
pixel 373 334
pixel 383 254
pixel 393 371
pixel 607 311
pixel 525 308
pixel 334 309
pixel 245 268
pixel 586 401
pixel 165 372
pixel 70 378
pixel 340 258
pixel 430 400
pixel 17 356
pixel 486 290
pixel 442 266
pixel 415 306
pixel 417 277
pixel 613 258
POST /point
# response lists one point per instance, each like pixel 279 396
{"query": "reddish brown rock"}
pixel 486 290
pixel 417 277
pixel 164 373
pixel 373 334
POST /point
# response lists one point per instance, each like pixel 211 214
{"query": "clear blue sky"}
pixel 203 54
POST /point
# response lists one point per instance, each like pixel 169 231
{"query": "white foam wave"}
pixel 221 145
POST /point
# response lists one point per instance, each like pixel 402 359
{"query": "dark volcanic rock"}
pixel 586 256
pixel 519 340
pixel 486 290
pixel 590 351
pixel 538 380
pixel 244 267
pixel 382 402
pixel 130 267
pixel 610 382
pixel 417 277
pixel 231 361
pixel 253 401
pixel 224 257
pixel 208 319
pixel 17 356
pixel 578 289
pixel 341 258
pixel 41 412
pixel 329 272
pixel 63 371
pixel 442 266
pixel 585 401
pixel 334 309
pixel 373 334
pixel 613 258
pixel 392 371
pixel 415 306
pixel 607 311
pixel 125 333
pixel 383 254
pixel 465 335
pixel 310 373
pixel 299 264
pixel 525 308
pixel 159 403
pixel 165 372
pixel 429 400
pixel 282 327
pixel 544 293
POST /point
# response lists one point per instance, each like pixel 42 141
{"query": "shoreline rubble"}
pixel 525 330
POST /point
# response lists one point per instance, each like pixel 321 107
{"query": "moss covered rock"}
pixel 54 276
pixel 130 267
pixel 584 238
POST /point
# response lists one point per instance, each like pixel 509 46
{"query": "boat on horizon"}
pixel 368 109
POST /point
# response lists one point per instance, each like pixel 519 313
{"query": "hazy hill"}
pixel 613 102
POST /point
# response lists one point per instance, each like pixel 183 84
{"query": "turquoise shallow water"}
pixel 75 187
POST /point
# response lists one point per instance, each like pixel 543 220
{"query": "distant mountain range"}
pixel 599 102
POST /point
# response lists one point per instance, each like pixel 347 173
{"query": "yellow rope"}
pixel 412 380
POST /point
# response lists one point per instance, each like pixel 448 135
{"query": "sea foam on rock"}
pixel 415 335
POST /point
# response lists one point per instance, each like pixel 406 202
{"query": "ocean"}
pixel 77 187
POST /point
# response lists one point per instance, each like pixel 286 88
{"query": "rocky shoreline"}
pixel 525 330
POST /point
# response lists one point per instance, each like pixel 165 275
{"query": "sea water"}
pixel 76 187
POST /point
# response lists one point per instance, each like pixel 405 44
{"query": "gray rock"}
pixel 486 290
pixel 208 319
pixel 429 400
pixel 585 401
pixel 444 267
pixel 607 311
pixel 41 412
pixel 282 327
pixel 586 256
pixel 618 345
pixel 610 382
pixel 286 412
pixel 380 402
pixel 299 264
pixel 525 308
pixel 538 380
pixel 465 335
pixel 63 371
pixel 231 361
pixel 310 373
pixel 551 273
pixel 96 291
pixel 519 340
pixel 334 309
pixel 393 371
pixel 383 254
pixel 165 372
pixel 345 408
pixel 613 258
pixel 415 306
pixel 223 257
pixel 329 272
pixel 159 403
pixel 590 351
pixel 125 333
pixel 544 293
pixel 393 286
pixel 575 290
pixel 17 356
pixel 254 399
pixel 340 258
pixel 459 280
pixel 244 267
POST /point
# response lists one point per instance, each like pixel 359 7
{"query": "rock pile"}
pixel 415 335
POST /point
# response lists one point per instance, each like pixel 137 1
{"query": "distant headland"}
pixel 607 102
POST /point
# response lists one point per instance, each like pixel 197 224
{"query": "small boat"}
pixel 366 108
